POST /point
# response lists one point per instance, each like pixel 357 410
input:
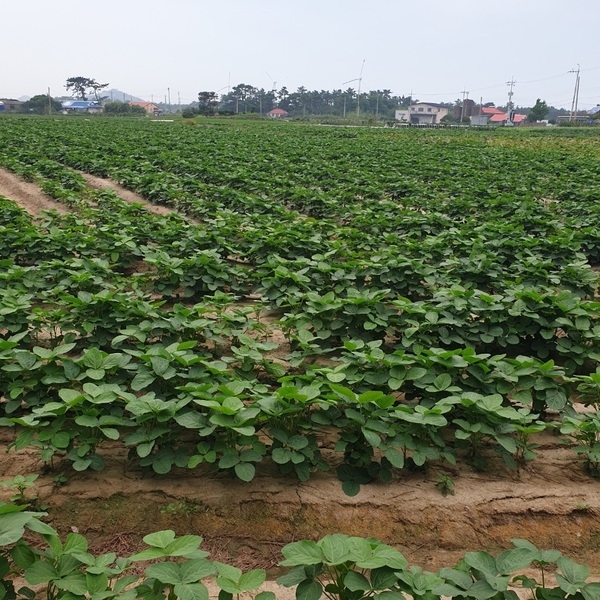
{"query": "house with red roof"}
pixel 151 108
pixel 494 116
pixel 278 113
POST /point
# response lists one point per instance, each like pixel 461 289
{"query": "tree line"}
pixel 245 98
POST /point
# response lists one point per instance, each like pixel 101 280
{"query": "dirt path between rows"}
pixel 27 195
pixel 98 183
pixel 30 197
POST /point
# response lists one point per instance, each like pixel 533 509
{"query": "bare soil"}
pixel 27 195
pixel 551 502
pixel 106 184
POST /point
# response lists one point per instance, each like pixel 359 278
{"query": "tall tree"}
pixel 41 105
pixel 208 103
pixel 82 87
pixel 539 111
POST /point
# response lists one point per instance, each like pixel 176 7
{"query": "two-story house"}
pixel 422 113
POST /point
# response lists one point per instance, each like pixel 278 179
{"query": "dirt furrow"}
pixel 27 195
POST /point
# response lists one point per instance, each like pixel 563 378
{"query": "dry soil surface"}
pixel 27 195
pixel 551 502
pixel 106 184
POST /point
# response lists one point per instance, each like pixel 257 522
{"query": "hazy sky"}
pixel 436 48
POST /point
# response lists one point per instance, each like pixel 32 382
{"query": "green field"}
pixel 425 297
pixel 428 294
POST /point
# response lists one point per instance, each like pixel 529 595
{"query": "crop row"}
pixel 339 567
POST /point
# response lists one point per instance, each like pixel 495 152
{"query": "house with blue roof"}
pixel 81 106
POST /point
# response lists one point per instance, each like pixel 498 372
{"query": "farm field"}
pixel 304 330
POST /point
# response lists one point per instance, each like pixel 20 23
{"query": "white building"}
pixel 422 113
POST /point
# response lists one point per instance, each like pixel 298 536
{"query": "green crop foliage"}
pixel 431 296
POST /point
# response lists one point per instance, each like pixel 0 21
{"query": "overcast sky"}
pixel 436 48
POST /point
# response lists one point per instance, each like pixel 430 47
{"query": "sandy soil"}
pixel 27 195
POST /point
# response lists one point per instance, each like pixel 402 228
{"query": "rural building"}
pixel 81 106
pixel 490 115
pixel 10 105
pixel 278 113
pixel 422 113
pixel 152 109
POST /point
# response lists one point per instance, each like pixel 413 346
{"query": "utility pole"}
pixel 49 102
pixel 169 94
pixel 573 115
pixel 462 108
pixel 509 106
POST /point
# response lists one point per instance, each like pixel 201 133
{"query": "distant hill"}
pixel 118 96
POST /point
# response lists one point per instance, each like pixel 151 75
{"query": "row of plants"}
pixel 404 216
pixel 338 567
pixel 456 310
pixel 175 405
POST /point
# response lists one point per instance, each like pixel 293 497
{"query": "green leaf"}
pixel 356 582
pixel 228 571
pixel 191 591
pixel 245 471
pixel 96 584
pixel 350 487
pixel 40 572
pixel 335 549
pixel 304 552
pixel 23 555
pixel 160 539
pixel 75 543
pixel 292 577
pixel 309 590
pixel 591 591
pixel 165 572
pixel 75 583
pixel 573 572
pixel 281 456
pixel 61 439
pixel 514 560
pixel 372 438
pixel 12 527
pixel 442 382
pixel 194 570
pixel 336 377
pixel 252 580
pixel 186 545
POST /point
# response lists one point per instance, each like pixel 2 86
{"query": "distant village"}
pixel 379 107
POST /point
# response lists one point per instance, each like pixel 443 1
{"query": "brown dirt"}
pixel 27 195
pixel 552 502
pixel 106 184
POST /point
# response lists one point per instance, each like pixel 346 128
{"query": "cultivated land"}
pixel 305 332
